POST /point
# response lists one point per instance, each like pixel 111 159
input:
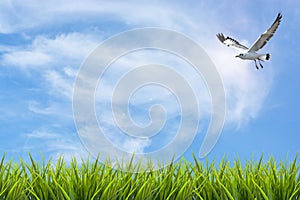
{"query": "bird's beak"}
pixel 237 56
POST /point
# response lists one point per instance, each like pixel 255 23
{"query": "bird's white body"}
pixel 251 53
pixel 252 56
pixel 249 56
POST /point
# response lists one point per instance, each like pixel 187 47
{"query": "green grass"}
pixel 183 180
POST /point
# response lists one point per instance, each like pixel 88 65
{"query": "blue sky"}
pixel 43 45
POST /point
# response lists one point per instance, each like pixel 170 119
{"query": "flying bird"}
pixel 251 53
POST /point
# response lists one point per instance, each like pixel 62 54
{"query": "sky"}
pixel 45 44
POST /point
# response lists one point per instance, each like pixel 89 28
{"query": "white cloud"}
pixel 59 58
pixel 6 23
pixel 26 58
pixel 59 84
pixel 55 109
pixel 246 88
pixel 48 52
pixel 72 45
pixel 54 142
pixel 134 145
pixel 56 59
pixel 33 13
pixel 34 107
pixel 70 72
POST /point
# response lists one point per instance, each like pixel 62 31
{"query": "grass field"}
pixel 183 180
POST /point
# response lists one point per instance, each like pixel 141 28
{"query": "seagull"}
pixel 251 53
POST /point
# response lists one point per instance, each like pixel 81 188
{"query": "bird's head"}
pixel 240 55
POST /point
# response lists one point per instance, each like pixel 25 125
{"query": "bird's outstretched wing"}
pixel 230 42
pixel 266 36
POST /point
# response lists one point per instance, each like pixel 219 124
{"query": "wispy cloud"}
pixel 25 58
pixel 57 52
pixel 240 82
pixel 57 57
pixel 53 141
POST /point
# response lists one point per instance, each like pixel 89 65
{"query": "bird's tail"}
pixel 265 57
